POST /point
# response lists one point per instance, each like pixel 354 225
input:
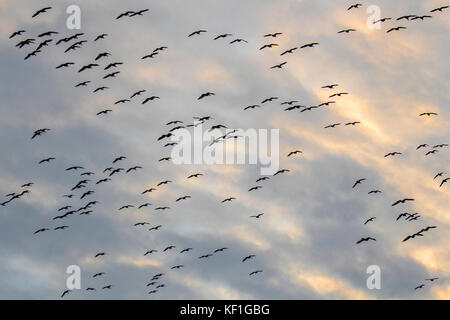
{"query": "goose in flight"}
pixel 407 17
pixel 102 55
pixel 196 175
pixel 137 93
pixel 122 101
pixel 139 13
pixel 82 84
pixel 25 42
pixel 16 33
pixel 46 160
pixel 432 279
pixel 87 193
pixel 128 206
pixel 111 75
pixel 358 182
pixel 148 190
pixel 370 220
pixel 273 35
pixel 424 145
pixel 238 40
pixel 338 94
pixel 418 234
pixel 100 89
pixel 39 132
pixel 106 111
pixel 150 252
pixel 269 99
pixel 177 267
pixel 207 94
pixel 101 36
pixel 427 229
pixel 198 32
pixel 173 122
pixel 168 135
pixel 422 17
pixel 133 169
pixel 381 20
pixel 169 248
pixel 155 228
pixel 281 171
pixel 100 254
pixel 138 224
pixel 65 65
pixel 186 250
pixel 163 182
pixel 347 31
pixel 116 171
pixel 289 51
pixel 150 99
pixel 220 36
pixel 298 107
pixel 47 34
pixel 392 154
pixel 32 54
pixel 395 29
pixel 125 14
pixel 354 6
pixel 332 125
pixel 119 159
pixel 365 239
pixel 401 201
pixel 112 65
pixel 270 45
pixel 43 10
pixel 309 45
pixel 41 230
pixel 248 257
pixel 228 199
pixel 65 292
pixel 419 287
pixel 374 191
pixel 162 208
pixel 255 272
pixel 183 198
pixel 294 152
pixel 440 9
pixel 257 216
pixel 428 114
pixel 444 181
pixel 440 174
pixel 278 66
pixel 74 168
pixel 98 274
pixel 29 184
pixel 404 214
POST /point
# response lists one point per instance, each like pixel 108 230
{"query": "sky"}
pixel 305 242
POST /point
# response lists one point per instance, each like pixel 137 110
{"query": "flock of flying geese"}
pixel 86 185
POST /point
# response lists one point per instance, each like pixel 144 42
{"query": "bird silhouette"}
pixel 365 240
